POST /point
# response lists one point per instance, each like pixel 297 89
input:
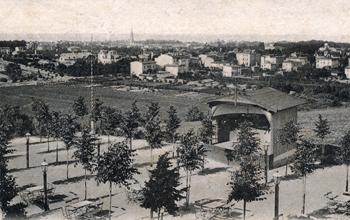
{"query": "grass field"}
pixel 61 97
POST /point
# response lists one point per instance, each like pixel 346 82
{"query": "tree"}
pixel 206 132
pixel 304 162
pixel 160 192
pixel 153 134
pixel 345 156
pixel 191 158
pixel 14 71
pixel 79 107
pixel 289 136
pixel 8 189
pixel 110 120
pixel 68 129
pixel 42 115
pixel 116 166
pixel 172 124
pixel 85 153
pixel 322 130
pixel 131 120
pixel 246 182
pixel 96 112
pixel 56 129
pixel 194 114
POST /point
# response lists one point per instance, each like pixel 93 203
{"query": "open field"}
pixel 61 97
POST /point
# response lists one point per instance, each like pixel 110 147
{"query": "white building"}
pixel 175 69
pixel 137 67
pixel 347 72
pixel 107 57
pixel 164 59
pixel 207 61
pixel 232 70
pixel 5 50
pixel 293 62
pixel 248 58
pixel 326 62
pixel 270 62
pixel 69 59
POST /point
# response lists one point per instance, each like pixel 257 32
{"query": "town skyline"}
pixel 263 20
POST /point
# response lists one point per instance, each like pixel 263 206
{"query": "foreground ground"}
pixel 211 183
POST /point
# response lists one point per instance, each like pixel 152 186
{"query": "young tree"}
pixel 131 120
pixel 110 120
pixel 85 153
pixel 96 112
pixel 194 114
pixel 322 129
pixel 116 166
pixel 79 107
pixel 172 124
pixel 68 129
pixel 345 156
pixel 153 134
pixel 246 182
pixel 191 158
pixel 206 132
pixel 289 136
pixel 160 192
pixel 8 188
pixel 42 115
pixel 14 72
pixel 56 129
pixel 304 162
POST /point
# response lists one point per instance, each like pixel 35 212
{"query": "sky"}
pixel 313 18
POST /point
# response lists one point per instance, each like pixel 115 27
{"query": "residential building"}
pixel 293 62
pixel 19 50
pixel 175 69
pixel 69 59
pixel 5 50
pixel 347 72
pixel 271 62
pixel 107 57
pixel 327 62
pixel 248 58
pixel 163 60
pixel 138 67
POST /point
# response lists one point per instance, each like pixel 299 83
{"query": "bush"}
pixel 3 80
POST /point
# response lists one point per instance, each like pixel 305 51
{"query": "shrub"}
pixel 194 114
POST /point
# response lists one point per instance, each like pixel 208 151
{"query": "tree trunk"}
pixel 304 194
pixel 108 140
pixel 48 143
pixel 151 214
pixel 151 156
pixel 85 177
pixel 67 163
pixel 173 146
pixel 287 166
pixel 130 142
pixel 110 200
pixel 56 151
pixel 347 179
pixel 244 208
pixel 158 213
pixel 187 200
pixel 189 188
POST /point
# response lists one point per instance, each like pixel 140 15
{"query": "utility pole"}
pixel 92 90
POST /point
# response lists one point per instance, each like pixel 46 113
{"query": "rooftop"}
pixel 267 98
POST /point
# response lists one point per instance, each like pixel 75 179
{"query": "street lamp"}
pixel 44 166
pixel 277 180
pixel 27 144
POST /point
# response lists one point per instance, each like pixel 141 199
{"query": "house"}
pixel 248 58
pixel 107 57
pixel 271 62
pixel 164 59
pixel 294 62
pixel 69 59
pixel 347 72
pixel 18 50
pixel 175 69
pixel 232 70
pixel 137 67
pixel 327 62
pixel 5 50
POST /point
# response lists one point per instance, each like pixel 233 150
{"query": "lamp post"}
pixel 277 180
pixel 27 150
pixel 44 166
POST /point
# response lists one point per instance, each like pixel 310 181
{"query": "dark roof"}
pixel 267 98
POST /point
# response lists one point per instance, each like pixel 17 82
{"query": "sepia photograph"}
pixel 174 110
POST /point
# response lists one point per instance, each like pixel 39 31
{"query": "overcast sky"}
pixel 232 17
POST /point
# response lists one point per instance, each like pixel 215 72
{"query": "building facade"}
pixel 248 58
pixel 164 59
pixel 137 67
pixel 107 57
